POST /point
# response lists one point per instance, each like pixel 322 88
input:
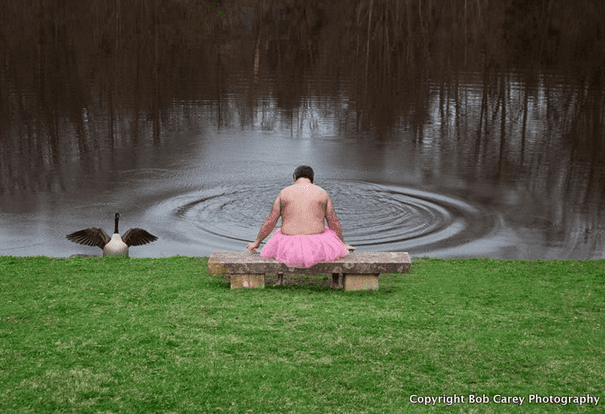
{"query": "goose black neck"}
pixel 117 218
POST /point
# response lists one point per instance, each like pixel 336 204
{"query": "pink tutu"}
pixel 304 250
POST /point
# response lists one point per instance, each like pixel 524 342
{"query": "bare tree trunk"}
pixel 368 47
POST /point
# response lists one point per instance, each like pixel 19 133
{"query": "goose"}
pixel 116 246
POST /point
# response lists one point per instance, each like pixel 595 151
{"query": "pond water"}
pixel 506 163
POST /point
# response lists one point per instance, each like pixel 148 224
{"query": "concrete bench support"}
pixel 359 270
pixel 242 281
pixel 360 282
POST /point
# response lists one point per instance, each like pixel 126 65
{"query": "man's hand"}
pixel 252 246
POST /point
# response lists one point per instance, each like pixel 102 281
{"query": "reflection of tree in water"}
pixel 82 75
pixel 216 7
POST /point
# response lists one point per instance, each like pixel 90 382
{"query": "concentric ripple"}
pixel 373 216
pixel 401 218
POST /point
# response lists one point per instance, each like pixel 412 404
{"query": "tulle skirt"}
pixel 304 250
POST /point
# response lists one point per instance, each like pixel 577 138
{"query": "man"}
pixel 302 240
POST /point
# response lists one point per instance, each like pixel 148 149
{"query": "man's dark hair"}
pixel 304 171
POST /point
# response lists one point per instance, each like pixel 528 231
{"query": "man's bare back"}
pixel 303 206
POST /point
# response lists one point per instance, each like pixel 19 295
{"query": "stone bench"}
pixel 359 270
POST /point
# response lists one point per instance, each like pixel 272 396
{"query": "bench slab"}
pixel 360 270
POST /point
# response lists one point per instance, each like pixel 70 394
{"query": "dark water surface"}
pixel 494 160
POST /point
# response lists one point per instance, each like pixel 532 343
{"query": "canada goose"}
pixel 116 246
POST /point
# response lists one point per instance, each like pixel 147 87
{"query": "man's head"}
pixel 304 171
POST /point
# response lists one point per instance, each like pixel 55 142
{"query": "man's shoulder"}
pixel 320 191
pixel 324 192
pixel 285 190
pixel 292 188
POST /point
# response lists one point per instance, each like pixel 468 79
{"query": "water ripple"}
pixel 373 216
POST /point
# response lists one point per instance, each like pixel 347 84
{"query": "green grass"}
pixel 111 335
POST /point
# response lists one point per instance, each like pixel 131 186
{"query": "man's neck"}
pixel 302 180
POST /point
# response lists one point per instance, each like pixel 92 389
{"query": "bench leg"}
pixel 335 284
pixel 247 281
pixel 367 281
pixel 280 279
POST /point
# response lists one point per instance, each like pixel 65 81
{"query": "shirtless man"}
pixel 303 206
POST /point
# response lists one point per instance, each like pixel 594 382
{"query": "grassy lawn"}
pixel 111 335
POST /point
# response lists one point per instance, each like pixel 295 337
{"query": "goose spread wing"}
pixel 91 236
pixel 138 237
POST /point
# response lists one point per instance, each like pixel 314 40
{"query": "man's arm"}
pixel 333 222
pixel 268 225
